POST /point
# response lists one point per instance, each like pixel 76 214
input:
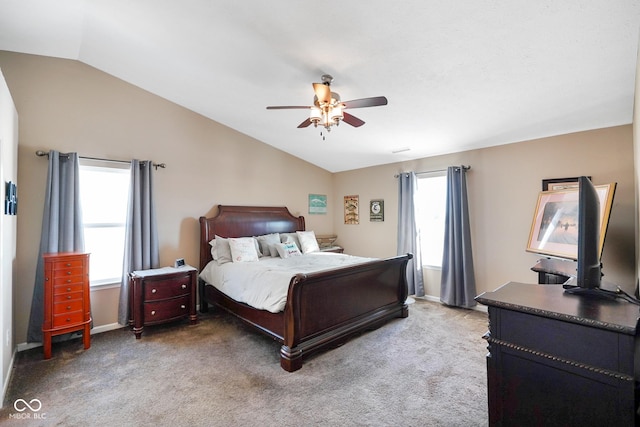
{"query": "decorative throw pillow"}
pixel 290 237
pixel 223 250
pixel 286 250
pixel 243 249
pixel 308 242
pixel 267 240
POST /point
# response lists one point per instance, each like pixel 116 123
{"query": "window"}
pixel 431 199
pixel 104 192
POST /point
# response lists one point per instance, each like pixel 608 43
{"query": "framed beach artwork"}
pixel 317 204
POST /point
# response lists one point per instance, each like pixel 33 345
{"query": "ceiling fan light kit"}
pixel 328 110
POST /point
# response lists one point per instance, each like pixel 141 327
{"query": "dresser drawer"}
pixel 167 309
pixel 62 320
pixel 68 280
pixel 68 263
pixel 67 297
pixel 68 288
pixel 68 306
pixel 167 288
pixel 68 271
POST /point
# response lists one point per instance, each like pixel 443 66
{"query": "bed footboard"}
pixel 324 309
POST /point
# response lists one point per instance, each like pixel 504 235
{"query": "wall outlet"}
pixel 8 339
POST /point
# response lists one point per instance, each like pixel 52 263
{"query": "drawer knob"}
pixel 68 264
pixel 153 313
pixel 184 286
pixel 68 307
pixel 68 320
pixel 183 306
pixel 153 291
pixel 68 296
pixel 68 289
pixel 68 280
pixel 68 273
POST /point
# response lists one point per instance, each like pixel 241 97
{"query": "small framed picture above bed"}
pixel 317 204
pixel 351 211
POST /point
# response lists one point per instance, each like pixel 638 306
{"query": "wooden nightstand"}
pixel 67 307
pixel 336 249
pixel 162 295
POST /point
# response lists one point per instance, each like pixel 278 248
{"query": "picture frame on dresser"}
pixel 554 229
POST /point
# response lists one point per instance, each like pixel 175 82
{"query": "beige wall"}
pixel 68 106
pixel 503 186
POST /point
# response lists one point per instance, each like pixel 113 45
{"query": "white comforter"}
pixel 264 284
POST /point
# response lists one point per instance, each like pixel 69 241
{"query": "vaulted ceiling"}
pixel 458 74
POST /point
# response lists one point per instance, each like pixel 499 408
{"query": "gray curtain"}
pixel 408 238
pixel 458 285
pixel 141 250
pixel 62 229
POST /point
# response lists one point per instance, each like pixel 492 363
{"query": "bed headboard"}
pixel 245 221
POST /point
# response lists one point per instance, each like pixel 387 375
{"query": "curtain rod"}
pixel 41 153
pixel 436 170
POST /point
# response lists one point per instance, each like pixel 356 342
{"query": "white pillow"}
pixel 290 237
pixel 243 249
pixel 267 240
pixel 286 250
pixel 308 242
pixel 223 250
pixel 214 252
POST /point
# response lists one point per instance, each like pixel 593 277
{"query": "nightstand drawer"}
pixel 167 288
pixel 68 319
pixel 164 310
pixel 67 306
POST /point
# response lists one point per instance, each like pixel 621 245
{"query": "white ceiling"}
pixel 458 74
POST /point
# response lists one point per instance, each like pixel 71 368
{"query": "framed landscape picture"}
pixel 554 230
pixel 317 204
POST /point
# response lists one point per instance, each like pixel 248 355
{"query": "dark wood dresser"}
pixel 560 359
pixel 162 295
pixel 67 307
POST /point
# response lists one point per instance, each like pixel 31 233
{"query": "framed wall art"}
pixel 554 230
pixel 557 184
pixel 376 210
pixel 351 215
pixel 317 204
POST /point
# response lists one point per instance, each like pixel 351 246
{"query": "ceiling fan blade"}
pixel 287 107
pixel 366 102
pixel 323 92
pixel 352 120
pixel 304 124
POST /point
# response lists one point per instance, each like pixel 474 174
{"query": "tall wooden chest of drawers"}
pixel 162 295
pixel 67 307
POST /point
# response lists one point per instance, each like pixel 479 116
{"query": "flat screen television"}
pixel 589 266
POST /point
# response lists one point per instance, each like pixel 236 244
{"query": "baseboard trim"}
pixel 97 330
pixel 8 379
pixel 433 298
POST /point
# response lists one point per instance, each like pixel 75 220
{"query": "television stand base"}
pixel 591 292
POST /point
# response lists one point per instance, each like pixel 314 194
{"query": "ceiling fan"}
pixel 328 110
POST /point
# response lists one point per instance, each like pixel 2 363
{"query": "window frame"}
pixel 418 203
pixel 120 168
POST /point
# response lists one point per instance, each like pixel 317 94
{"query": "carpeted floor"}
pixel 425 370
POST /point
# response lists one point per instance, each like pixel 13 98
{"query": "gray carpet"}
pixel 425 370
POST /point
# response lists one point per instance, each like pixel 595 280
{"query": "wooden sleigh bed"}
pixel 323 309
